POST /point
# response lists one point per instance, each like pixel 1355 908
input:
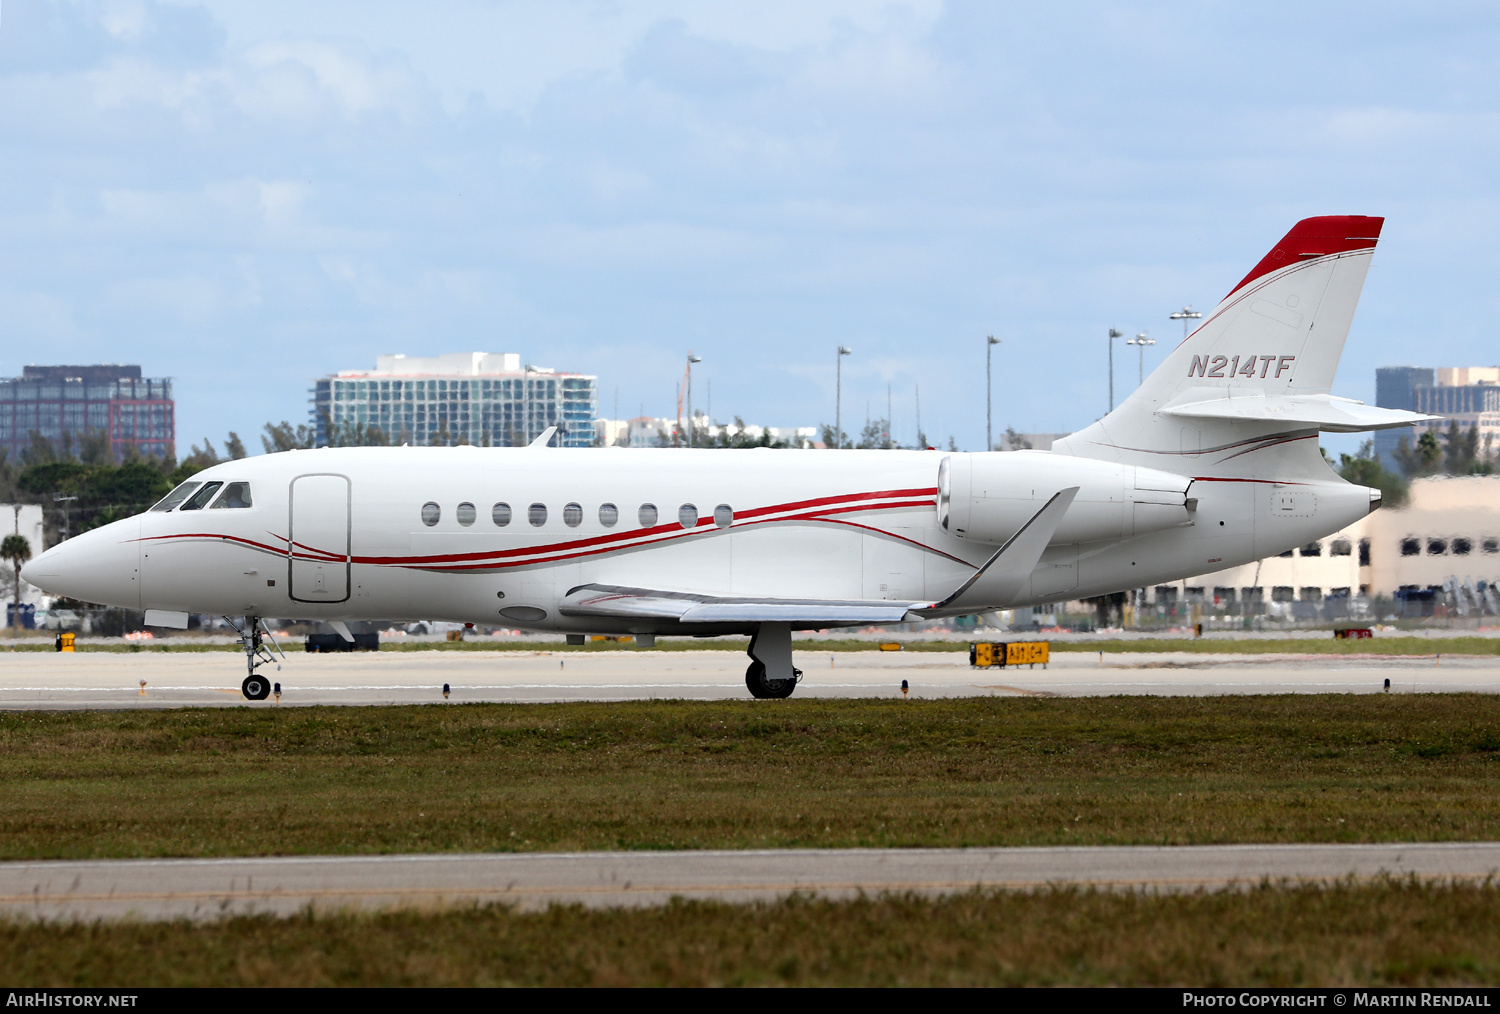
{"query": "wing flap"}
pixel 618 602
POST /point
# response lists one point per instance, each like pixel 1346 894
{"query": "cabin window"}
pixel 609 515
pixel 177 495
pixel 1411 547
pixel 1462 547
pixel 431 512
pixel 236 494
pixel 573 515
pixel 198 499
pixel 647 515
pixel 687 515
pixel 1437 547
pixel 1341 547
pixel 466 514
pixel 723 515
pixel 500 514
pixel 1491 545
pixel 537 514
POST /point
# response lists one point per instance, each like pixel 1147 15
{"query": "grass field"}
pixel 1321 645
pixel 1381 934
pixel 732 774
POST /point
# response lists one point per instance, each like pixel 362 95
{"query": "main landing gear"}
pixel 255 687
pixel 771 673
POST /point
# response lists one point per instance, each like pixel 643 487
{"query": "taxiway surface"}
pixel 213 888
pixel 48 680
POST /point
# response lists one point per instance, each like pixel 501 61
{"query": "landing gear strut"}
pixel 255 688
pixel 771 673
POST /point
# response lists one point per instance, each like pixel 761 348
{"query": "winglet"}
pixel 544 438
pixel 1001 578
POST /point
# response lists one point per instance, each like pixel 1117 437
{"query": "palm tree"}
pixel 17 550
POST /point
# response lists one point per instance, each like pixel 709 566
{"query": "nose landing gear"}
pixel 255 688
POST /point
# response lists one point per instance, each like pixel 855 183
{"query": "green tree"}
pixel 16 550
pixel 834 438
pixel 1423 459
pixel 1364 469
pixel 284 436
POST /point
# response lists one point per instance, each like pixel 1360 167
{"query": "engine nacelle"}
pixel 988 497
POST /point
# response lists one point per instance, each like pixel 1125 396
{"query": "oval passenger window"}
pixel 647 515
pixel 430 514
pixel 466 514
pixel 687 515
pixel 723 515
pixel 573 515
pixel 500 514
pixel 609 515
pixel 537 514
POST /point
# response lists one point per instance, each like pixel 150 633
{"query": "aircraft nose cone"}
pixel 100 566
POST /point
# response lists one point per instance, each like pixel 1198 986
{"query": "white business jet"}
pixel 1213 462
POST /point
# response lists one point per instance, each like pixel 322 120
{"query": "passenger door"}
pixel 318 534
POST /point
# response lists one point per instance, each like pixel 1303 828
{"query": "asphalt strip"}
pixel 204 889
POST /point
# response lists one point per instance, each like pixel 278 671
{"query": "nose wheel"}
pixel 255 687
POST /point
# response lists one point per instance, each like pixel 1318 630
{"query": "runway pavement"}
pixel 46 680
pixel 212 888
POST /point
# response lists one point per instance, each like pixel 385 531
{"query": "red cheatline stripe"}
pixel 556 556
pixel 596 544
pixel 645 536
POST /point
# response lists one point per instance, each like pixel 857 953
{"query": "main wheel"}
pixel 255 688
pixel 759 686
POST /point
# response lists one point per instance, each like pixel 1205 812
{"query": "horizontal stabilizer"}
pixel 1313 411
pixel 616 602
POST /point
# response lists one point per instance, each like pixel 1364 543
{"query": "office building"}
pixel 1396 387
pixel 461 398
pixel 65 404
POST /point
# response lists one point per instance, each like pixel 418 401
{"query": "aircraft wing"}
pixel 619 602
pixel 997 582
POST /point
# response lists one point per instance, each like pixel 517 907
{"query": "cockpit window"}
pixel 236 494
pixel 177 495
pixel 203 496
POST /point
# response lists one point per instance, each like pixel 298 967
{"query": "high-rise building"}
pixel 1396 387
pixel 66 404
pixel 466 397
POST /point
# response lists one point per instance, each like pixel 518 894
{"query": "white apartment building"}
pixel 465 397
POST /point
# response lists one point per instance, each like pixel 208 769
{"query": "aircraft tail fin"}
pixel 1247 392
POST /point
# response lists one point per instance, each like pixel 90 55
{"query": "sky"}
pixel 248 195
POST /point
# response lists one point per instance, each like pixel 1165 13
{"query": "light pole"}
pixel 1113 334
pixel 1186 314
pixel 989 346
pixel 691 359
pixel 1141 341
pixel 838 395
